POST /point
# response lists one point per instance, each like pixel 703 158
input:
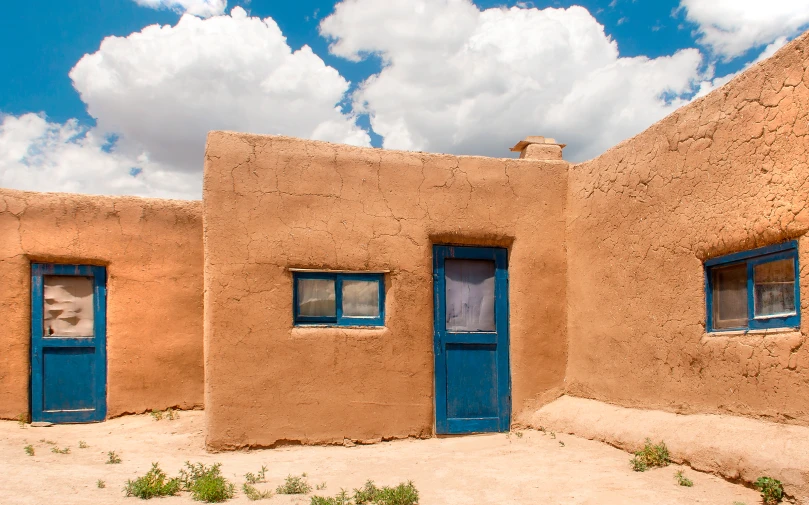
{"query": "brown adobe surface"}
pixel 272 203
pixel 727 173
pixel 153 253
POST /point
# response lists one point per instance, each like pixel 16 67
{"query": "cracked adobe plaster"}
pixel 726 173
pixel 153 253
pixel 272 203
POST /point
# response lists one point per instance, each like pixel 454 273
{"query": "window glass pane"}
pixel 775 288
pixel 68 306
pixel 316 298
pixel 360 298
pixel 730 296
pixel 470 295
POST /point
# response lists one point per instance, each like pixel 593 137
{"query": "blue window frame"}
pixel 754 290
pixel 338 298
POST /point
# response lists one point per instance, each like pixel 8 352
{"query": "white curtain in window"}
pixel 775 288
pixel 68 306
pixel 316 298
pixel 360 298
pixel 469 295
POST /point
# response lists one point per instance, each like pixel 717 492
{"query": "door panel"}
pixel 68 343
pixel 471 339
pixel 471 381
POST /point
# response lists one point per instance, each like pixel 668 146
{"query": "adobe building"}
pixel 67 263
pixel 364 294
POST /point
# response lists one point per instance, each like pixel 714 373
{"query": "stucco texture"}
pixel 727 173
pixel 274 203
pixel 152 250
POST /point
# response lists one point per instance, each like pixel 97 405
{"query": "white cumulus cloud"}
pixel 161 90
pixel 461 80
pixel 732 27
pixel 39 155
pixel 201 8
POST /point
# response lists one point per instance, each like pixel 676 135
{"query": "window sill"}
pixel 321 331
pixel 764 332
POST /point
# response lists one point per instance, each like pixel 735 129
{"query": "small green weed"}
pixel 100 484
pixel 49 442
pixel 321 486
pixel 254 494
pixel 366 494
pixel 206 483
pixel 29 450
pixel 253 479
pixel 772 491
pixel 553 435
pixel 370 494
pixel 83 444
pixel 561 444
pixel 169 414
pixel 739 503
pixel 22 419
pixel 112 458
pixel 154 484
pixel 542 429
pixel 294 485
pixel 342 498
pixel 682 479
pixel 650 456
pixel 57 450
pixel 518 434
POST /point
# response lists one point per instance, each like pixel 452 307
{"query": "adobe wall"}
pixel 724 174
pixel 272 203
pixel 153 253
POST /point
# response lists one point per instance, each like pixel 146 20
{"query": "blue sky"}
pixel 674 45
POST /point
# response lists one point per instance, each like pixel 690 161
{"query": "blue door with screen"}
pixel 68 343
pixel 473 390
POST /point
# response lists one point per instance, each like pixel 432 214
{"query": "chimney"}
pixel 539 148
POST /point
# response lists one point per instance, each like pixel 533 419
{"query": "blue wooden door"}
pixel 473 389
pixel 68 343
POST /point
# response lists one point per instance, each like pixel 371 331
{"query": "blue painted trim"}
pixel 98 342
pixel 500 337
pixel 338 319
pixel 743 255
pixel 750 259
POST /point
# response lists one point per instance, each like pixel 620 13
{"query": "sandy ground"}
pixel 483 469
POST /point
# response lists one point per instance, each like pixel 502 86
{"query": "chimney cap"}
pixel 535 139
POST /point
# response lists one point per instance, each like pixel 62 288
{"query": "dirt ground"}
pixel 533 468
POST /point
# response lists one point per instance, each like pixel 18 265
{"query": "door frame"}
pixel 38 341
pixel 441 252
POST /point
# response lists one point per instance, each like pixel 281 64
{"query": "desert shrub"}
pixel 154 484
pixel 100 484
pixel 83 444
pixel 169 414
pixel 57 450
pixel 370 494
pixel 772 491
pixel 366 494
pixel 112 458
pixel 294 485
pixel 342 498
pixel 254 494
pixel 29 450
pixel 650 456
pixel 403 494
pixel 682 479
pixel 253 479
pixel 206 483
